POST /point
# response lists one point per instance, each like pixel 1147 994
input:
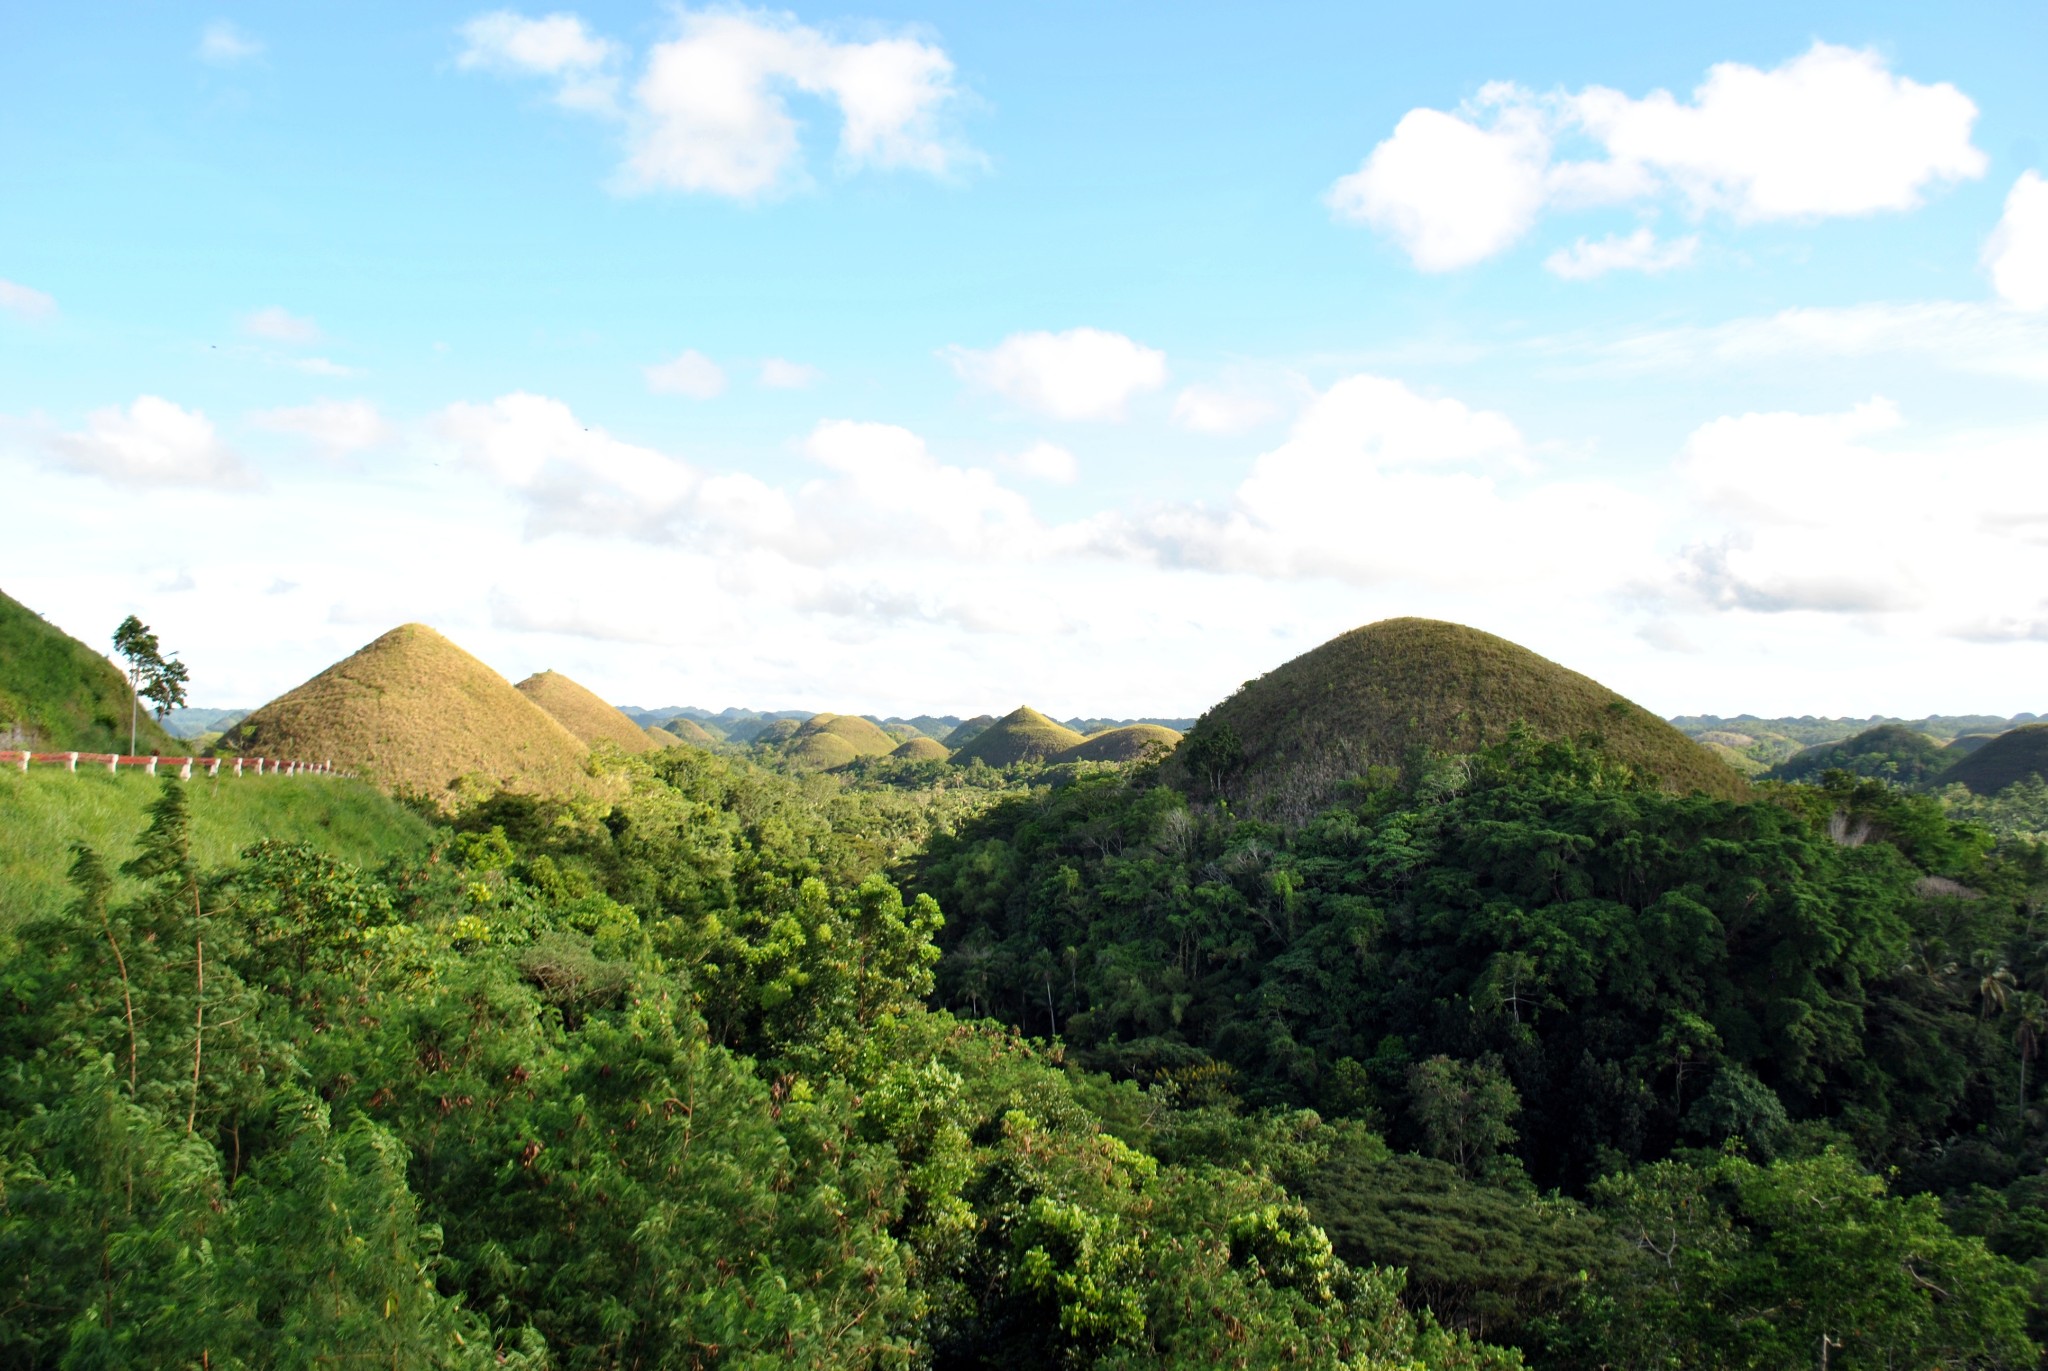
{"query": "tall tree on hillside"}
pixel 152 676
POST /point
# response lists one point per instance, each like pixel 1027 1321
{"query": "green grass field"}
pixel 47 809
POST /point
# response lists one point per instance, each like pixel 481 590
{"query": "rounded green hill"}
pixel 825 741
pixel 1131 743
pixel 412 711
pixel 1376 695
pixel 967 730
pixel 684 729
pixel 921 750
pixel 1890 752
pixel 583 713
pixel 1023 735
pixel 57 693
pixel 2009 757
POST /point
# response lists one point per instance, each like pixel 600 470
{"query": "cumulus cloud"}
pixel 1083 373
pixel 557 46
pixel 223 45
pixel 711 109
pixel 1380 484
pixel 1829 133
pixel 152 443
pixel 778 374
pixel 1048 462
pixel 2016 254
pixel 691 373
pixel 1639 251
pixel 336 426
pixel 280 326
pixel 1819 513
pixel 1223 410
pixel 26 302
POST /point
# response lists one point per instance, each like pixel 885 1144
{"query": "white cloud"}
pixel 1083 373
pixel 321 366
pixel 153 443
pixel 778 374
pixel 1640 251
pixel 711 112
pixel 556 46
pixel 1831 132
pixel 1850 514
pixel 338 426
pixel 691 373
pixel 26 302
pixel 1047 462
pixel 1378 484
pixel 1450 192
pixel 1210 409
pixel 280 326
pixel 2016 254
pixel 222 44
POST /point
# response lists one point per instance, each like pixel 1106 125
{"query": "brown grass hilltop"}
pixel 1130 743
pixel 579 710
pixel 1024 735
pixel 412 711
pixel 824 741
pixel 1372 696
pixel 921 750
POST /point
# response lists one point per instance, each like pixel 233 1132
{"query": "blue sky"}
pixel 1099 357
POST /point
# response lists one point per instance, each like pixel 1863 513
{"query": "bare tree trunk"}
pixel 199 1009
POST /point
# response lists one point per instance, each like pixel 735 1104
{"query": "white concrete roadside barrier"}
pixel 114 761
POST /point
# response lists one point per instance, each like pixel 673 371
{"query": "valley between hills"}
pixel 1425 1003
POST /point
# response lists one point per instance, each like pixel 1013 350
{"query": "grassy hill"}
pixel 45 810
pixel 2005 759
pixel 57 694
pixel 1024 735
pixel 1375 695
pixel 1890 752
pixel 689 731
pixel 825 741
pixel 412 711
pixel 1127 744
pixel 921 750
pixel 966 731
pixel 1968 743
pixel 582 712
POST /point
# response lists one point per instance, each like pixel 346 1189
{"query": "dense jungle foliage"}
pixel 1509 1061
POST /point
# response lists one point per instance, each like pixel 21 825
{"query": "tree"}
pixel 1463 1109
pixel 152 676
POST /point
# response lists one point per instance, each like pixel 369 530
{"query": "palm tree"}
pixel 2030 1016
pixel 1994 987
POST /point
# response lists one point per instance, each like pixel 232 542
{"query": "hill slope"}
pixel 582 712
pixel 921 750
pixel 412 711
pixel 57 694
pixel 1372 696
pixel 1024 735
pixel 1890 752
pixel 1997 764
pixel 1126 744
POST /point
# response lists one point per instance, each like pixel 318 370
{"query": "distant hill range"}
pixel 1755 746
pixel 747 725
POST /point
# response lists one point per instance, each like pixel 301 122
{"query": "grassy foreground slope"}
pixel 412 711
pixel 57 694
pixel 45 810
pixel 581 711
pixel 1373 696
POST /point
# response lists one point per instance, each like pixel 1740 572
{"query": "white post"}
pixel 238 766
pixel 213 766
pixel 72 759
pixel 113 763
pixel 152 767
pixel 24 760
pixel 185 771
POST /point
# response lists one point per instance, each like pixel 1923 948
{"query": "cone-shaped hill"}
pixel 579 710
pixel 57 693
pixel 824 741
pixel 685 729
pixel 2009 757
pixel 1889 752
pixel 967 730
pixel 1130 743
pixel 412 711
pixel 1022 736
pixel 1371 697
pixel 921 750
